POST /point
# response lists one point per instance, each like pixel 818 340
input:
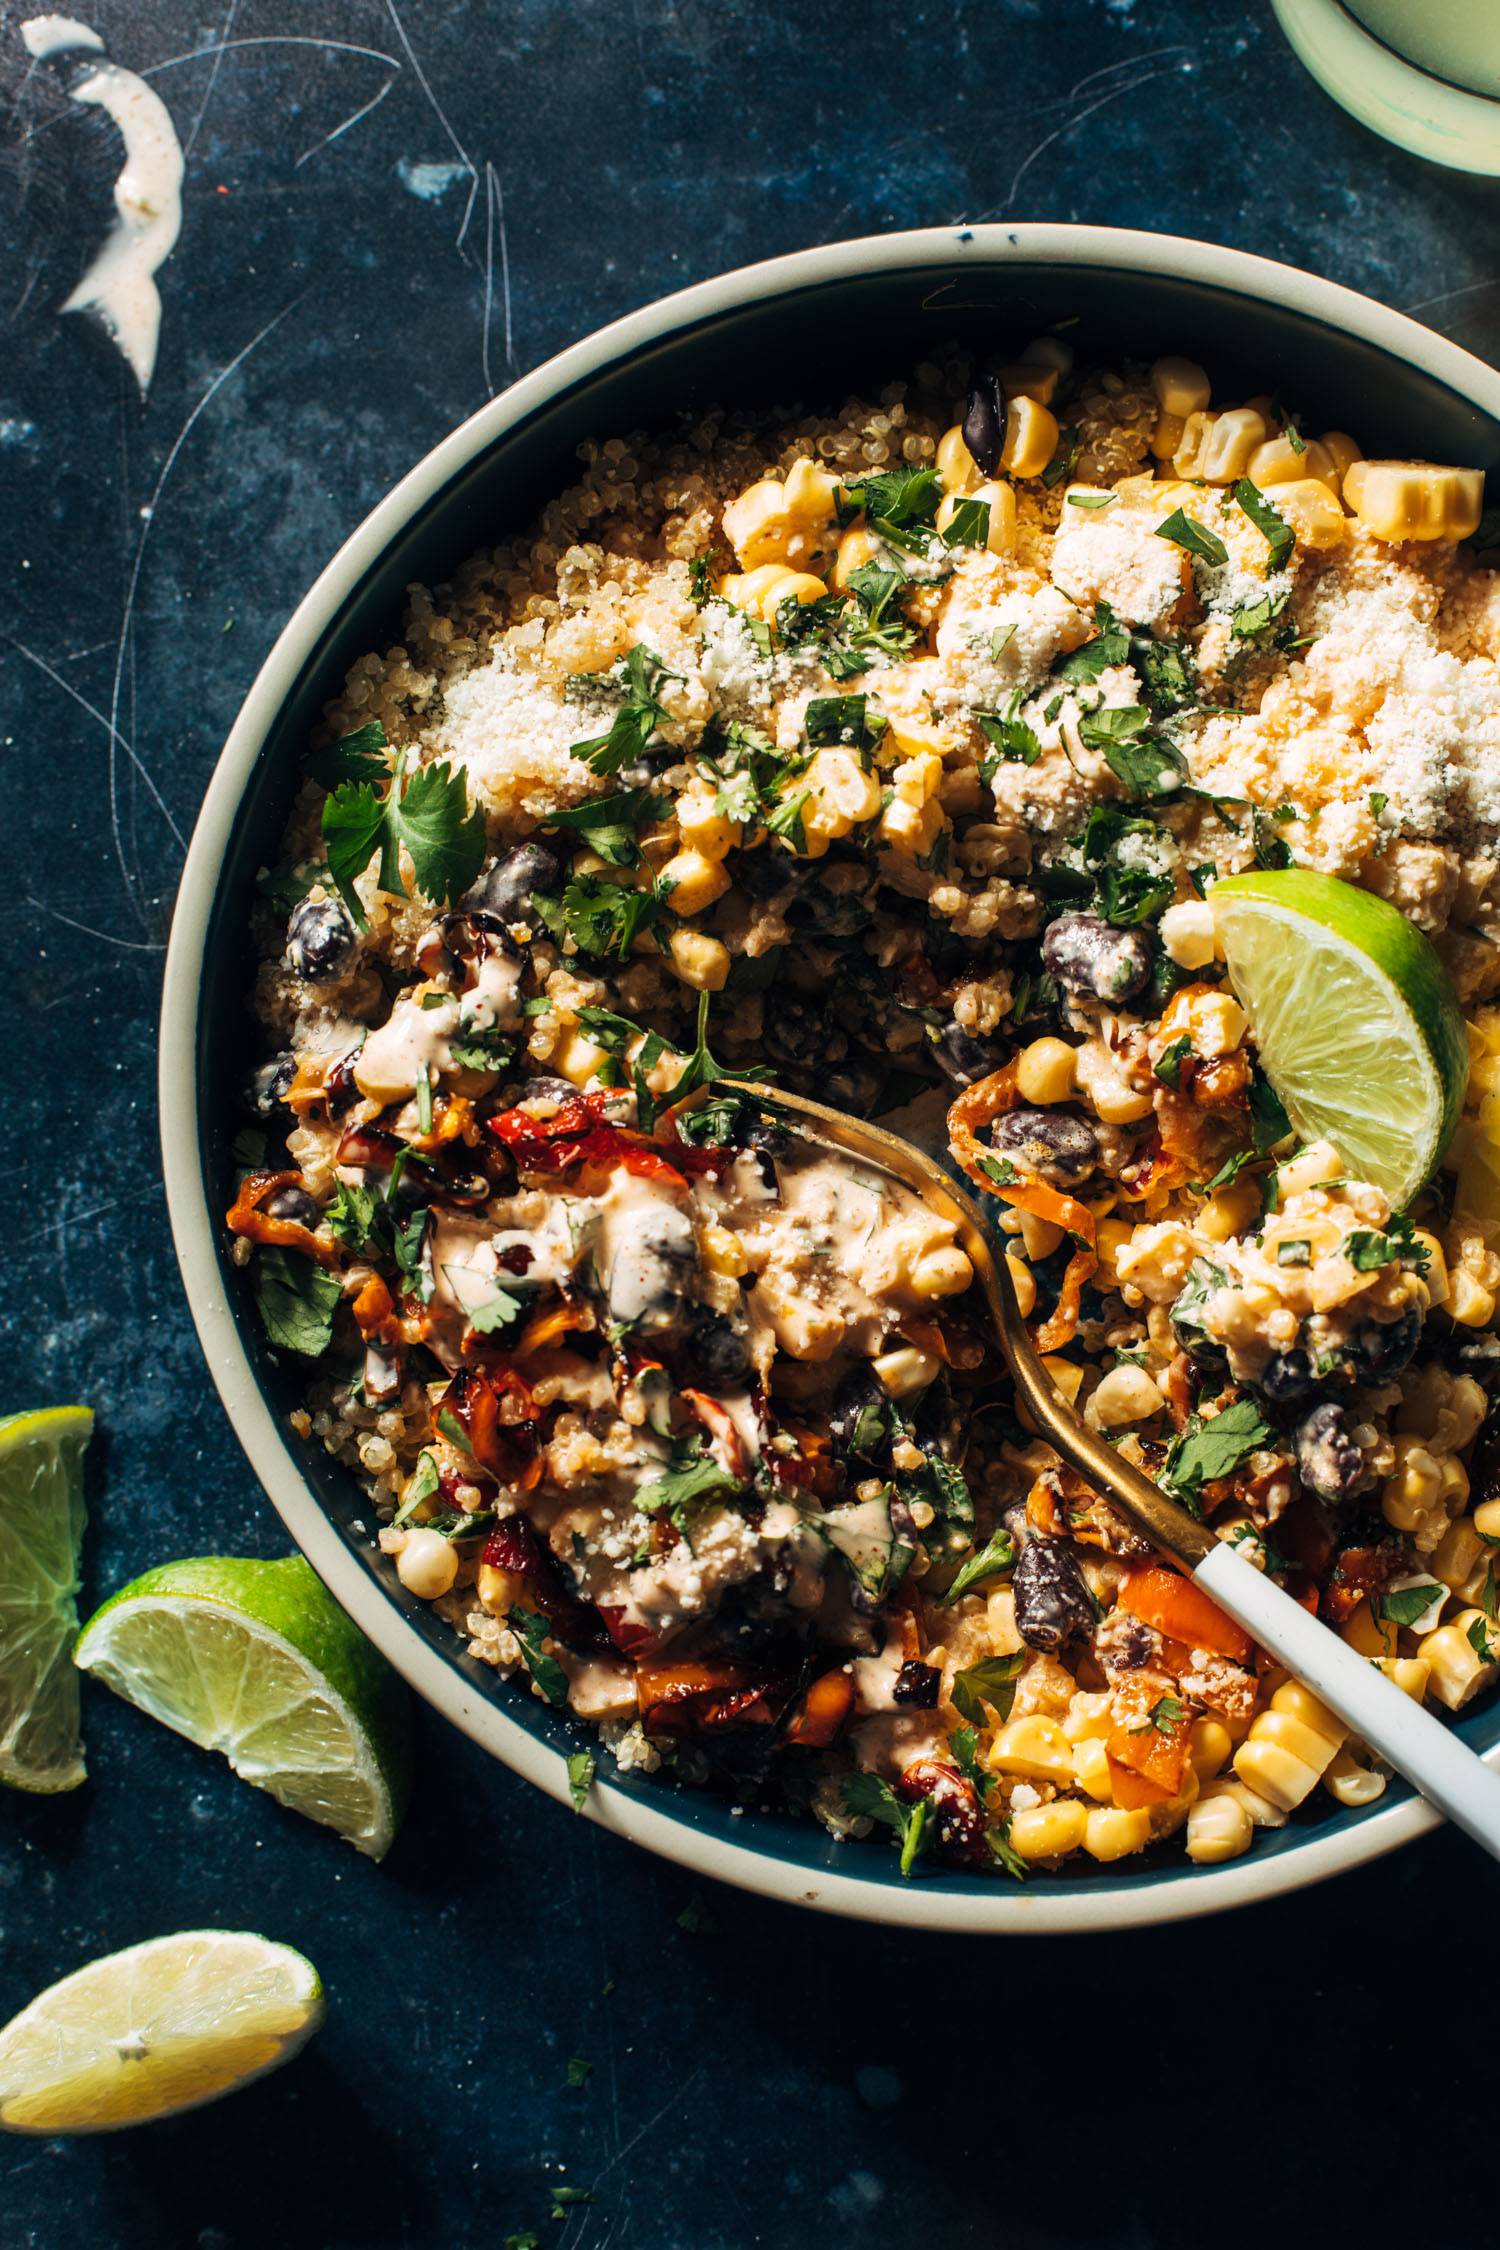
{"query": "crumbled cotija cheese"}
pixel 515 733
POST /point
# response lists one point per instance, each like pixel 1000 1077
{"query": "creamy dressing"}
pixel 414 1038
pixel 493 1001
pixel 120 285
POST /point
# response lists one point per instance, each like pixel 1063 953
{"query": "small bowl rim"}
pixel 1175 1893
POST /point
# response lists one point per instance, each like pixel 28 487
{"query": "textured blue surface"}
pixel 328 315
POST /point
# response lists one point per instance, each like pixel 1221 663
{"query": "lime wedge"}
pixel 1358 1027
pixel 257 1659
pixel 41 1532
pixel 159 2028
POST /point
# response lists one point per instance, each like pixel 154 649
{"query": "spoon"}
pixel 1430 1755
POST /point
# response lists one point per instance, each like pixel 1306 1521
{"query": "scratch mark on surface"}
pixel 494 226
pixel 270 39
pixel 1446 296
pixel 80 1218
pixel 443 119
pixel 95 713
pixel 124 645
pixel 213 77
pixel 340 130
pixel 679 2094
pixel 1068 125
pixel 126 945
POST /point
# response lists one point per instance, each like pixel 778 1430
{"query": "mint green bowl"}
pixel 813 325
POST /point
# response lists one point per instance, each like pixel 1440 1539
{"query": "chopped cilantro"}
pixel 1169 1062
pixel 997 1554
pixel 1403 1605
pixel 1185 531
pixel 867 1797
pixel 495 1313
pixel 1294 1253
pixel 1367 1249
pixel 530 1631
pixel 641 711
pixel 898 505
pixel 1479 1641
pixel 1277 531
pixel 1065 460
pixel 970 526
pixel 1256 616
pixel 579 2069
pixel 1269 1123
pixel 582 1766
pixel 1109 646
pixel 693 1479
pixel 1010 737
pixel 992 1681
pixel 360 756
pixel 1271 850
pixel 611 823
pixel 601 917
pixel 1005 1852
pixel 843 719
pixel 1208 1450
pixel 296 1300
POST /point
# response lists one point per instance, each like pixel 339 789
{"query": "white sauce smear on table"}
pixel 120 285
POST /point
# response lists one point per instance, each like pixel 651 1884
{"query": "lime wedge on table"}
pixel 257 1659
pixel 41 1531
pixel 159 2028
pixel 1358 1027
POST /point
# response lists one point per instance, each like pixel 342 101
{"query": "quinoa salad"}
pixel 892 756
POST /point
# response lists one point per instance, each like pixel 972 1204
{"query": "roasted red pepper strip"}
pixel 578 1135
pixel 507 1450
pixel 824 1709
pixel 976 1107
pixel 246 1217
pixel 700 1695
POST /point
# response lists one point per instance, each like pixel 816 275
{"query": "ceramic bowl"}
pixel 811 325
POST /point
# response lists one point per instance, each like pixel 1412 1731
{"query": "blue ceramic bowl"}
pixel 812 325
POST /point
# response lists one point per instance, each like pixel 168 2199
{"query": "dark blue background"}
pixel 1325 2064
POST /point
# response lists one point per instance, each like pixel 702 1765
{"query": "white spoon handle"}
pixel 1430 1755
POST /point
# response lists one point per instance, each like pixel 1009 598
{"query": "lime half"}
pixel 257 1659
pixel 159 2028
pixel 1358 1026
pixel 41 1532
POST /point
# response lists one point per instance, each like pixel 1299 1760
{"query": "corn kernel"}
pixel 1125 1395
pixel 1218 1828
pixel 1023 380
pixel 576 1058
pixel 1415 499
pixel 1048 1831
pixel 1350 1783
pixel 703 829
pixel 1341 450
pixel 957 469
pixel 1487 1520
pixel 699 960
pixel 1469 1303
pixel 723 1252
pixel 1217 447
pixel 498 1590
pixel 1030 438
pixel 761 592
pixel 1181 386
pixel 1313 512
pixel 1091 1771
pixel 1025 1285
pixel 1065 1375
pixel 1032 1749
pixel 1044 1071
pixel 1209 1747
pixel 1049 351
pixel 696 881
pixel 757 524
pixel 856 548
pixel 1110 1832
pixel 905 1371
pixel 1462 1657
pixel 427 1564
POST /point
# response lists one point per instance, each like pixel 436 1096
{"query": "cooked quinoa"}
pixel 893 755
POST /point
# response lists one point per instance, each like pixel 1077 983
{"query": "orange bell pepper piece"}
pixel 1172 1604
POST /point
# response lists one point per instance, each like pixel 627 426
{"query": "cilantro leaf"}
pixel 991 1681
pixel 1009 735
pixel 693 1479
pixel 970 526
pixel 1165 672
pixel 1269 1123
pixel 898 505
pixel 997 1553
pixel 582 1766
pixel 360 756
pixel 1148 765
pixel 1171 1059
pixel 1185 531
pixel 1109 647
pixel 530 1631
pixel 1487 1651
pixel 495 1313
pixel 427 810
pixel 296 1301
pixel 1256 616
pixel 1403 1605
pixel 641 711
pixel 1208 1450
pixel 1367 1249
pixel 599 916
pixel 351 1214
pixel 611 823
pixel 1275 528
pixel 1009 1858
pixel 867 1797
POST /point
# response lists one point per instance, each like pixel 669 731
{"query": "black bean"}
pixel 1052 1603
pixel 1091 958
pixel 984 423
pixel 1287 1375
pixel 859 1426
pixel 1381 1348
pixel 797 1031
pixel 917 1686
pixel 340 1087
pixel 962 1057
pixel 271 1083
pixel 713 1356
pixel 1329 1460
pixel 319 939
pixel 543 1088
pixel 1052 1142
pixel 292 1203
pixel 850 1085
pixel 504 888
